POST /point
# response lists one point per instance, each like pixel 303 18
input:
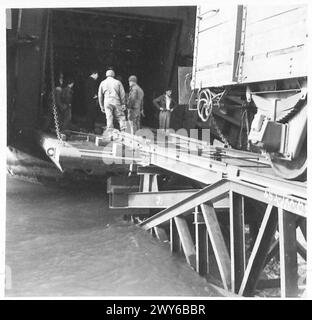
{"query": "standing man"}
pixel 91 98
pixel 165 104
pixel 135 104
pixel 66 103
pixel 111 97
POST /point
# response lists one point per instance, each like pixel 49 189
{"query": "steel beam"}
pixel 218 244
pixel 259 252
pixel 174 237
pixel 273 251
pixel 211 193
pixel 165 199
pixel 190 170
pixel 151 170
pixel 288 253
pixel 201 244
pixel 161 199
pixel 207 170
pixel 131 183
pixel 237 240
pixel 186 240
pixel 236 176
pixel 148 182
pixel 274 197
pixel 302 250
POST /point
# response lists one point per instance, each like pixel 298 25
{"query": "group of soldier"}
pixel 112 100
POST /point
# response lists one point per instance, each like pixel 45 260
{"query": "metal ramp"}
pixel 243 216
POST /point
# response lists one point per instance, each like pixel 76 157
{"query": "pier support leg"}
pixel 288 253
pixel 186 240
pixel 201 244
pixel 259 252
pixel 218 244
pixel 174 238
pixel 237 236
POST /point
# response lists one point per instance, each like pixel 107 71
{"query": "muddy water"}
pixel 64 241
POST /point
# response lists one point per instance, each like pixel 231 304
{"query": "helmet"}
pixel 133 78
pixel 110 73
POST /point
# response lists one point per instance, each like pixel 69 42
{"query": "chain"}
pixel 55 112
pixel 244 122
pixel 222 137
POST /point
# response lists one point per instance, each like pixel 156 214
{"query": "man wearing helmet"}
pixel 111 96
pixel 135 104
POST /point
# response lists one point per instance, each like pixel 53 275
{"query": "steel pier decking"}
pixel 262 209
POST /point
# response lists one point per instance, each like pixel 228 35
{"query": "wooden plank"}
pixel 259 252
pixel 288 253
pixel 186 240
pixel 218 244
pixel 237 239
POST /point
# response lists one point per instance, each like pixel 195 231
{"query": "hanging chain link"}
pixel 219 132
pixel 54 109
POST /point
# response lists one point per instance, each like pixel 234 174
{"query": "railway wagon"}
pixel 250 72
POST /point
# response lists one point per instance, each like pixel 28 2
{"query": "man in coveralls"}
pixel 111 96
pixel 135 104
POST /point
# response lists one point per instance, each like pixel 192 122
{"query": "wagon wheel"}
pixel 292 170
pixel 204 105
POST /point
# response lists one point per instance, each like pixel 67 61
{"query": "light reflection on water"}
pixel 66 242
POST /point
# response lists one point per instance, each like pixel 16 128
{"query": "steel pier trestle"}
pixel 242 227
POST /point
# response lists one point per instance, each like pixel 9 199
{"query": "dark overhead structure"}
pixel 148 42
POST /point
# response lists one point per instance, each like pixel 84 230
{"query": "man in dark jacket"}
pixel 91 99
pixel 135 104
pixel 165 104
